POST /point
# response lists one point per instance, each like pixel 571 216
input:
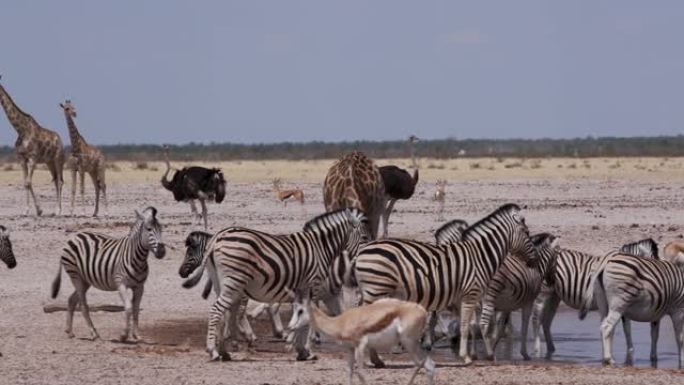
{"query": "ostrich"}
pixel 398 183
pixel 191 183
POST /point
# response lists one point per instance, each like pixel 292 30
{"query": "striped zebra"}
pixel 108 263
pixel 568 281
pixel 269 268
pixel 640 289
pixel 514 286
pixel 442 277
pixel 195 244
pixel 6 253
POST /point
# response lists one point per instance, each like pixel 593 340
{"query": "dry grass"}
pixel 431 169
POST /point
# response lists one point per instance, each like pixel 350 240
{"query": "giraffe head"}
pixel 68 108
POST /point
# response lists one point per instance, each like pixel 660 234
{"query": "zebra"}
pixel 514 286
pixel 568 281
pixel 111 264
pixel 449 232
pixel 195 244
pixel 6 253
pixel 269 268
pixel 640 289
pixel 442 277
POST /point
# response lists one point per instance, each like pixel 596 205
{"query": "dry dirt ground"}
pixel 593 205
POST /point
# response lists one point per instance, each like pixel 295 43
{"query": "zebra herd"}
pixel 482 271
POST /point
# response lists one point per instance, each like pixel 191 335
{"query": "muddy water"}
pixel 579 342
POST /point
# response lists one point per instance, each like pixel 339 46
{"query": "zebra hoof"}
pixel 526 356
pixel 225 356
pixel 379 365
pixel 608 362
pixel 70 334
pixel 213 355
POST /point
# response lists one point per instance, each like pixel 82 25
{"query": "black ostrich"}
pixel 191 183
pixel 399 184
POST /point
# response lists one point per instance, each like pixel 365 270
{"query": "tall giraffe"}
pixel 35 145
pixel 85 159
pixel 355 181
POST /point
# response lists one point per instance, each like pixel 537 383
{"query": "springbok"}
pixel 382 325
pixel 284 195
pixel 439 196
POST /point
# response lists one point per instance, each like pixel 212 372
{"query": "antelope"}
pixel 383 324
pixel 439 196
pixel 285 195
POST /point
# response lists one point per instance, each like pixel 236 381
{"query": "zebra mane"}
pixel 648 243
pixel 448 231
pixel 538 239
pixel 501 211
pixel 333 217
pixel 196 234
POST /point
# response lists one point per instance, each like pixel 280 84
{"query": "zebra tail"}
pixel 596 278
pixel 57 283
pixel 207 288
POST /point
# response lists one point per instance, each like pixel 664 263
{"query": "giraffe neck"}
pixel 17 118
pixel 77 141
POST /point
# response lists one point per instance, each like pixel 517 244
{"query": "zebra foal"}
pixel 626 286
pixel 269 268
pixel 443 277
pixel 111 264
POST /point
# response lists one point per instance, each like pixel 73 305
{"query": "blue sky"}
pixel 270 71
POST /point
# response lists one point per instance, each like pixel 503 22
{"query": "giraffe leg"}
pixel 81 174
pixel 74 171
pixel 57 179
pixel 29 167
pixel 93 177
pixel 103 187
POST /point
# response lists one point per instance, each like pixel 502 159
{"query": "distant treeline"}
pixel 669 146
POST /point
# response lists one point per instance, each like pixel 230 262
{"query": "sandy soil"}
pixel 593 209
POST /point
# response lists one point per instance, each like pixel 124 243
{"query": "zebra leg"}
pixel 81 289
pixel 678 324
pixel 546 319
pixel 607 331
pixel 137 297
pixel 302 343
pixel 216 314
pixel 73 301
pixel 276 322
pixel 429 336
pixel 128 311
pixel 467 310
pixel 525 325
pixel 485 320
pixel 627 328
pixel 655 330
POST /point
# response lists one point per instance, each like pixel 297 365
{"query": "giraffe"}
pixel 355 181
pixel 84 159
pixel 35 145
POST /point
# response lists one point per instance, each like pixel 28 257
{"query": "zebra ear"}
pixel 138 215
